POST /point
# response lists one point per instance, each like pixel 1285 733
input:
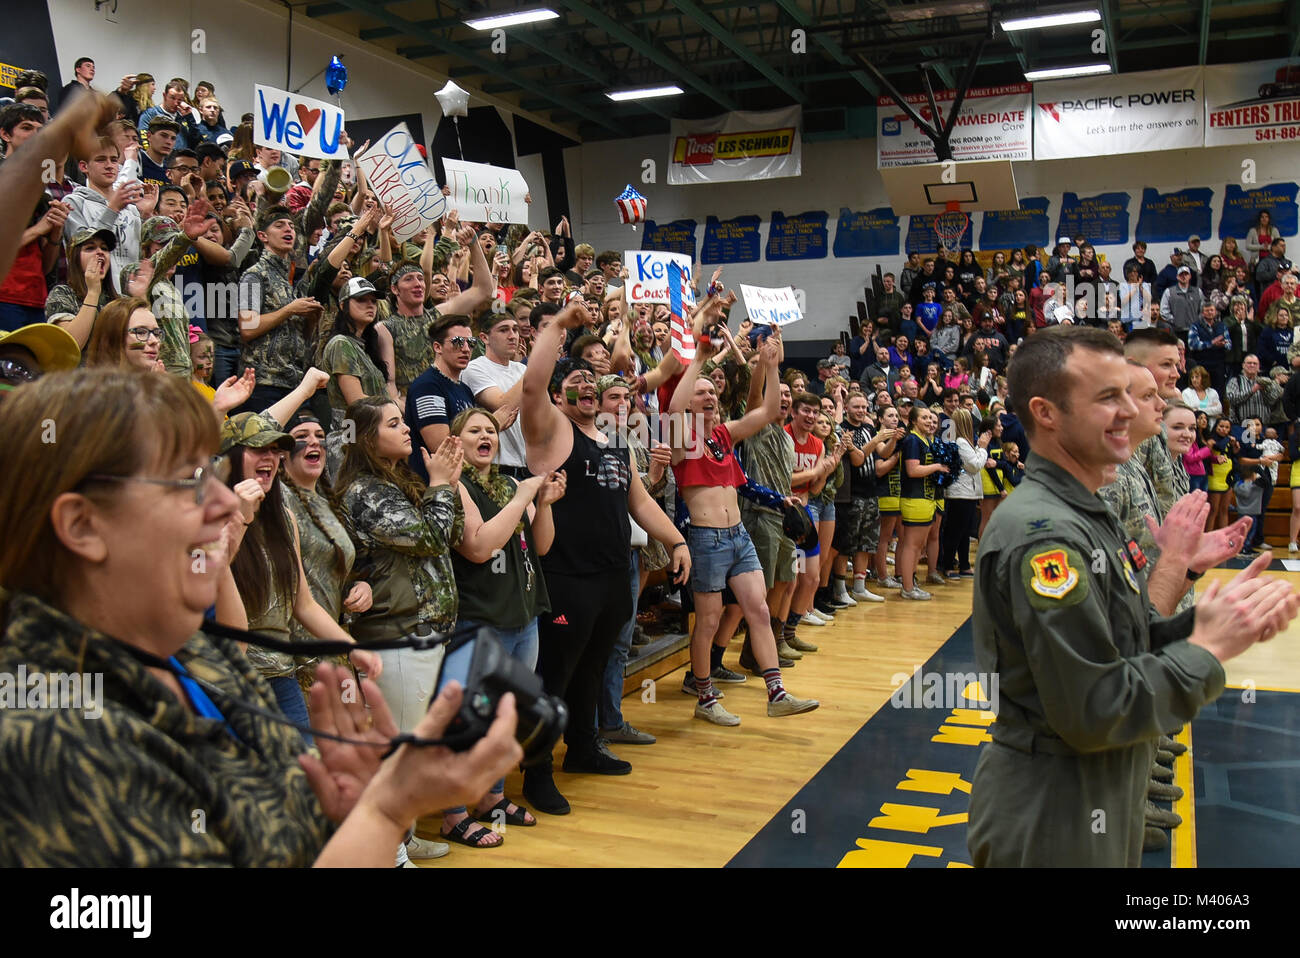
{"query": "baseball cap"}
pixel 1283 264
pixel 158 229
pixel 357 286
pixel 162 123
pixel 225 139
pixel 52 345
pixel 608 381
pixel 241 168
pixel 87 233
pixel 1177 252
pixel 1184 269
pixel 255 431
pixel 1193 239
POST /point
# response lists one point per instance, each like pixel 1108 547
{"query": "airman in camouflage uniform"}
pixel 1170 481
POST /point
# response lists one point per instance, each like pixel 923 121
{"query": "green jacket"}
pixel 1088 677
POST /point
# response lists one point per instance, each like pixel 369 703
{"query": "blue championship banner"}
pixel 731 241
pixel 870 233
pixel 1240 207
pixel 1172 217
pixel 1007 229
pixel 675 237
pixel 798 237
pixel 1102 220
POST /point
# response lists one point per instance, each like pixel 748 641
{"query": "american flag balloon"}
pixel 631 206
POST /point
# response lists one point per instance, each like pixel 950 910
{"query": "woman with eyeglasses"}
pixel 127 496
pixel 722 555
pixel 126 334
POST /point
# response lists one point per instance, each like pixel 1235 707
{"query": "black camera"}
pixel 493 672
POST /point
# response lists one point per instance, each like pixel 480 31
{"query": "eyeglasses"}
pixel 217 470
pixel 185 167
pixel 142 334
pixel 16 370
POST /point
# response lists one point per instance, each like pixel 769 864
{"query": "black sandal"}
pixel 511 818
pixel 459 836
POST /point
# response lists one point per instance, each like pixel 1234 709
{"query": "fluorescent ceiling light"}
pixel 645 93
pixel 511 19
pixel 1043 20
pixel 1056 73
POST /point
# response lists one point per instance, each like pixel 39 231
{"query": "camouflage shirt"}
pixel 278 356
pixel 274 621
pixel 412 347
pixel 346 356
pixel 169 309
pixel 404 552
pixel 1153 456
pixel 1132 497
pixel 130 787
pixel 327 557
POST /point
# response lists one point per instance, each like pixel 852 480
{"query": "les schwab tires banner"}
pixel 993 125
pixel 736 146
pixel 1128 113
pixel 1252 103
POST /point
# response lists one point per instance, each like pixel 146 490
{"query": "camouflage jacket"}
pixel 148 782
pixel 327 558
pixel 412 347
pixel 280 355
pixel 404 552
pixel 1132 497
pixel 1153 456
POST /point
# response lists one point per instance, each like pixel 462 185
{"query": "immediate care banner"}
pixel 993 125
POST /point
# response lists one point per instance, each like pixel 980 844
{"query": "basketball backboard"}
pixel 932 188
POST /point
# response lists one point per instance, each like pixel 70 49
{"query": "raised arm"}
pixel 544 426
pixel 758 416
pixel 480 290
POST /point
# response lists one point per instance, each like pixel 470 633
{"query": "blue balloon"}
pixel 336 76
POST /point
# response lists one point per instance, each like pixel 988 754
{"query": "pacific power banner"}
pixel 1252 103
pixel 993 125
pixel 1128 113
pixel 736 146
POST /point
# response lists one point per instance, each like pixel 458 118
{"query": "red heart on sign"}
pixel 306 117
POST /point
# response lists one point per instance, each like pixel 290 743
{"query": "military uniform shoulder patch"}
pixel 1054 576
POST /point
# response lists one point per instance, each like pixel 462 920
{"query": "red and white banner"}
pixel 1252 103
pixel 735 146
pixel 1127 113
pixel 993 125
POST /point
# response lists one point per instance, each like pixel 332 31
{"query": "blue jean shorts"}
pixel 822 511
pixel 719 554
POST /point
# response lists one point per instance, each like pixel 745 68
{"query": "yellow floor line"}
pixel 1265 688
pixel 1183 852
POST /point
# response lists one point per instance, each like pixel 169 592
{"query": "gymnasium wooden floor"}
pixel 699 796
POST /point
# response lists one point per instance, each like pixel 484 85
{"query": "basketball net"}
pixel 950 226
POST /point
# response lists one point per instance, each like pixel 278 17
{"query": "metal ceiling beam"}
pixel 378 33
pixel 1111 35
pixel 1295 30
pixel 716 29
pixel 483 63
pixel 805 22
pixel 677 70
pixel 1205 29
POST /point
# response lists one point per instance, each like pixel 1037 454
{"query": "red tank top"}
pixel 712 464
pixel 805 457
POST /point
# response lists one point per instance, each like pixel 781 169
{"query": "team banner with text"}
pixel 403 182
pixel 736 146
pixel 1127 113
pixel 647 280
pixel 486 194
pixel 292 123
pixel 771 307
pixel 993 125
pixel 1252 103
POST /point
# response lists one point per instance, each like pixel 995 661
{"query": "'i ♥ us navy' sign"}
pixel 297 124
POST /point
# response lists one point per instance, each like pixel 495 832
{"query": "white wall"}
pixel 842 173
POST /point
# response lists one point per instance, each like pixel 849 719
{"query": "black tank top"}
pixel 592 533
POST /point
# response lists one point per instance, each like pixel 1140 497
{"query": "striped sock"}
pixel 704 688
pixel 775 690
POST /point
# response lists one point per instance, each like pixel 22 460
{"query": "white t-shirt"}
pixel 1271 447
pixel 483 373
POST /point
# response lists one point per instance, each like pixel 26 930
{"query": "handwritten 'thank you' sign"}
pixel 297 124
pixel 403 182
pixel 487 194
pixel 771 307
pixel 647 279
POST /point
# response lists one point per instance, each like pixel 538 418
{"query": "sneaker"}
pixel 1163 791
pixel 811 618
pixel 421 849
pixel 1292 548
pixel 935 579
pixel 626 734
pixel 726 676
pixel 784 651
pixel 1154 839
pixel 800 645
pixel 747 661
pixel 599 761
pixel 690 688
pixel 1161 817
pixel 916 593
pixel 861 592
pixel 715 713
pixel 841 597
pixel 827 617
pixel 826 609
pixel 1171 745
pixel 639 637
pixel 889 582
pixel 952 575
pixel 790 706
pixel 968 574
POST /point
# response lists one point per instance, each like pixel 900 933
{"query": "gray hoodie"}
pixel 89 209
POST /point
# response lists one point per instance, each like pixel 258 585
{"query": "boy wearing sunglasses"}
pixel 437 396
pixel 28 353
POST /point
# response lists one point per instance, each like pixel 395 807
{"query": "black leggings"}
pixel 954 542
pixel 576 639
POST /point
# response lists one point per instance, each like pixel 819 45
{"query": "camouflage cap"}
pixel 255 431
pixel 609 381
pixel 158 229
pixel 87 233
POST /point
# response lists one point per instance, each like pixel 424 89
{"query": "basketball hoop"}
pixel 950 226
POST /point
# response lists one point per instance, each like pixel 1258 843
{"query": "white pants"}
pixel 408 681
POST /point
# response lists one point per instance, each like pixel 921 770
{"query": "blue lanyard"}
pixel 198 698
